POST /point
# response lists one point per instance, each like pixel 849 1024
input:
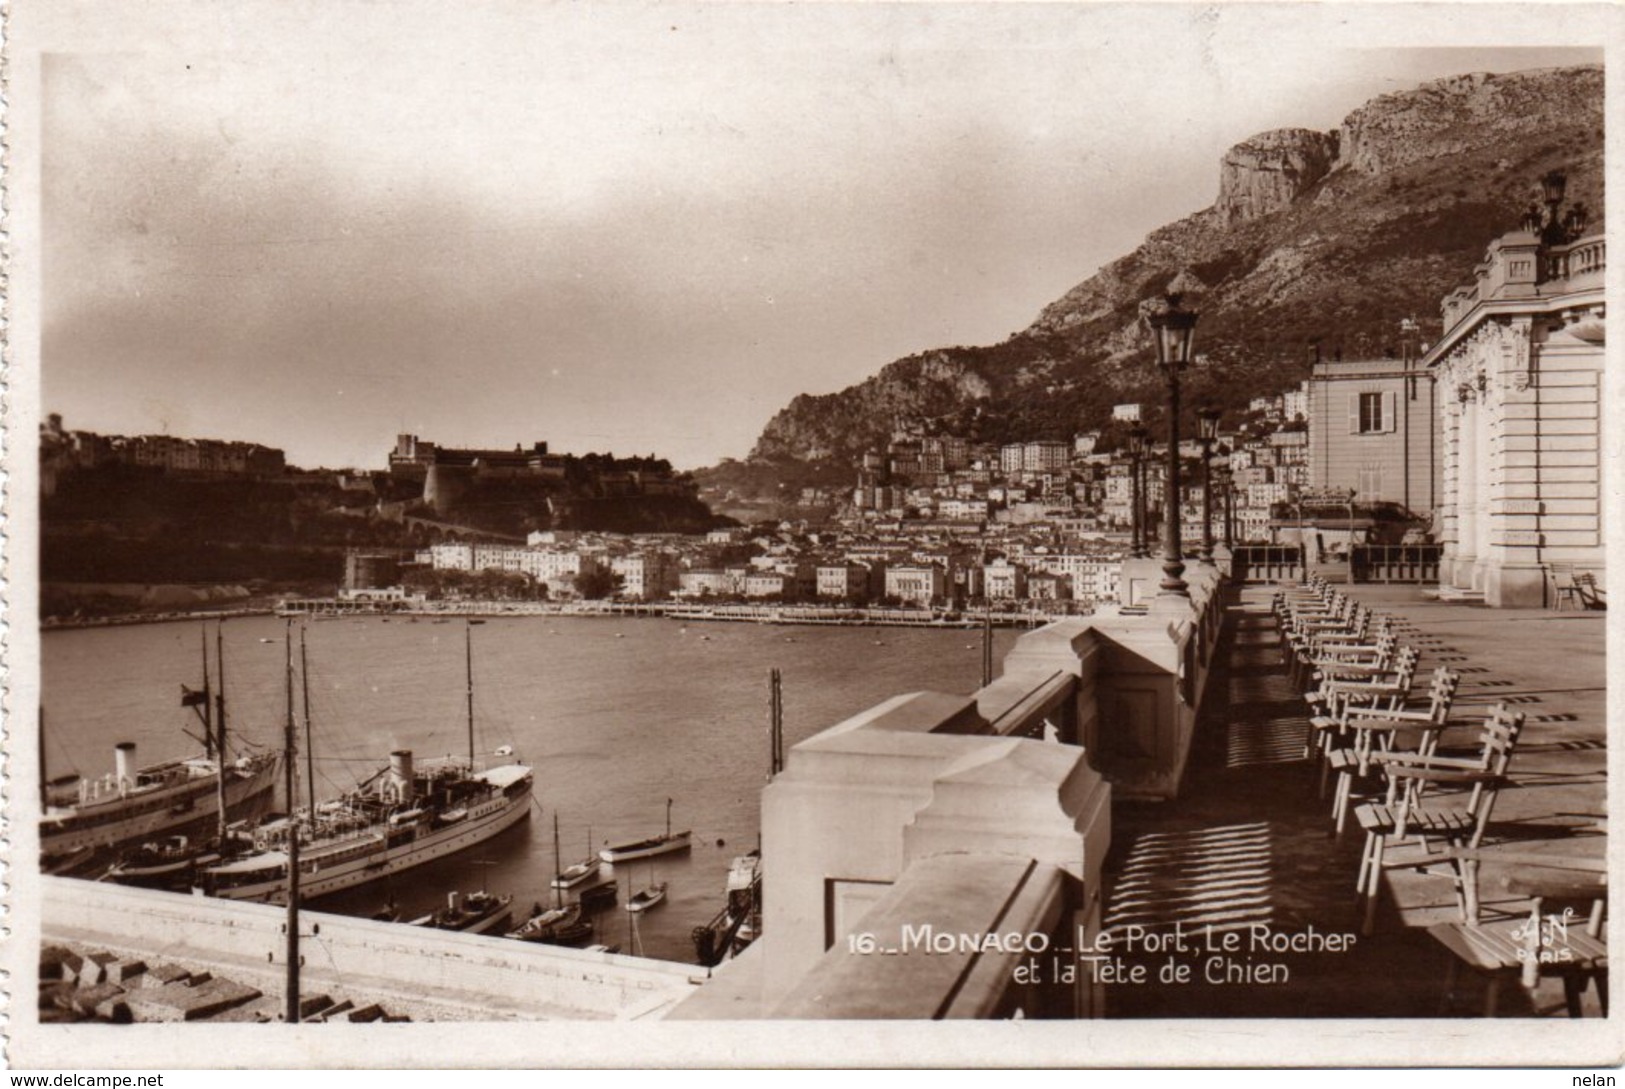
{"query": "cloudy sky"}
pixel 639 228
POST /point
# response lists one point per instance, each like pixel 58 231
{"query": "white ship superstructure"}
pixel 407 816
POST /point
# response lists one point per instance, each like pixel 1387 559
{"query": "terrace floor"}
pixel 1248 843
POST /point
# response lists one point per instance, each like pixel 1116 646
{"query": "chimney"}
pixel 400 775
pixel 124 765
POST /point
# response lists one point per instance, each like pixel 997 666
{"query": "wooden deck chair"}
pixel 1550 938
pixel 1375 735
pixel 1417 808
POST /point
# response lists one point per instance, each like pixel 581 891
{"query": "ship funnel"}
pixel 400 774
pixel 124 765
pixel 451 902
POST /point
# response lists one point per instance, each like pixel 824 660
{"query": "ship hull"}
pixel 354 872
pixel 626 852
pixel 186 808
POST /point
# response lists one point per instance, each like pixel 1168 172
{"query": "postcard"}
pixel 764 534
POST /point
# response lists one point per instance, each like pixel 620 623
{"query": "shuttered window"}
pixel 1372 413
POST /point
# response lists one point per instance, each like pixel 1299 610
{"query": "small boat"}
pixel 162 864
pixel 648 898
pixel 599 896
pixel 480 913
pixel 571 876
pixel 645 848
pixel 552 925
pixel 603 949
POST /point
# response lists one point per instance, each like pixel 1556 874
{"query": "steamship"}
pixel 84 817
pixel 402 817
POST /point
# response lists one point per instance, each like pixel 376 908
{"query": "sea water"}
pixel 615 715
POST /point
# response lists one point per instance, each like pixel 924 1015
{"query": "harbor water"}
pixel 615 715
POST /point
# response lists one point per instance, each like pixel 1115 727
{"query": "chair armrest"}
pixel 1398 770
pixel 1545 861
pixel 1416 760
pixel 1397 716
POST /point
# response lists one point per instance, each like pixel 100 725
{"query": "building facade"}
pixel 1520 374
pixel 1372 430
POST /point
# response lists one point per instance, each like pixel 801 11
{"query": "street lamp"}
pixel 1137 534
pixel 1228 483
pixel 1171 328
pixel 1207 430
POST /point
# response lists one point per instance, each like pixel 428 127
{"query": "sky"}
pixel 638 228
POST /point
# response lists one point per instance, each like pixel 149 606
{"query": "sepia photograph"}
pixel 733 533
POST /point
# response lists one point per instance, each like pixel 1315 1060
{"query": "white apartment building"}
pixel 646 576
pixel 916 585
pixel 1004 581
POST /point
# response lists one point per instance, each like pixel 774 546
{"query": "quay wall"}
pixel 428 974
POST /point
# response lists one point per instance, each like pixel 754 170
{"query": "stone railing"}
pixel 1585 260
pixel 1267 563
pixel 924 850
pixel 1394 563
pixel 1517 266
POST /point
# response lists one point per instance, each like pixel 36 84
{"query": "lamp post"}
pixel 1207 430
pixel 1229 483
pixel 1171 328
pixel 1137 534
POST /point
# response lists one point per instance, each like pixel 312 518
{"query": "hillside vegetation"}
pixel 1328 236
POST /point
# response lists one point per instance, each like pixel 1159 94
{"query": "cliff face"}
pixel 1329 236
pixel 1268 172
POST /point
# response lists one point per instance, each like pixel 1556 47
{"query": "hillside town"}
pixel 940 522
pixel 932 522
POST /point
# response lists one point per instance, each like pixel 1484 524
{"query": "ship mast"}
pixel 468 655
pixel 223 816
pixel 208 699
pixel 558 864
pixel 310 749
pixel 291 1012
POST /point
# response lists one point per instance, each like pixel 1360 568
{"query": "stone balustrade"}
pixel 919 850
pixel 1517 266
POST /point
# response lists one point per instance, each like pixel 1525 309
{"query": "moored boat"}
pixel 642 901
pixel 408 816
pixel 87 818
pixel 577 873
pixel 403 816
pixel 479 913
pixel 554 926
pixel 647 848
pixel 598 897
pixel 160 864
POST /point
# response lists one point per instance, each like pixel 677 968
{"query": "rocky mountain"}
pixel 1314 236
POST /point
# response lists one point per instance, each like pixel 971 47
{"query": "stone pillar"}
pixel 1138 583
pixel 1466 495
pixel 1516 576
pixel 1485 426
pixel 1449 409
